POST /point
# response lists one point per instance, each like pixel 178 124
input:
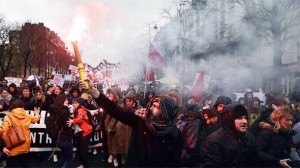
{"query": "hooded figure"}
pixel 155 139
pixel 169 111
pixel 18 115
pixel 231 146
pixel 222 100
pixel 230 113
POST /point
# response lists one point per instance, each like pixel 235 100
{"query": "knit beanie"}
pixel 232 112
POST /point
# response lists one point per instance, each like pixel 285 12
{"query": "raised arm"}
pixel 36 116
pixel 125 116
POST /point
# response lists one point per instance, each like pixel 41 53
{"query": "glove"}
pixel 92 90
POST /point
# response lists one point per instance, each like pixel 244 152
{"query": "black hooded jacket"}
pixel 227 147
pixel 146 149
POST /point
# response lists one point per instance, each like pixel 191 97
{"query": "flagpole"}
pixel 149 70
pixel 147 62
pixel 147 75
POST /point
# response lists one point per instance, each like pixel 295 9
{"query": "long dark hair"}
pixel 59 107
pixel 59 101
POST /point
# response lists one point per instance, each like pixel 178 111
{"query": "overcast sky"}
pixel 109 29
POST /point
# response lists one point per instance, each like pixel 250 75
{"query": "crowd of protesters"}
pixel 155 127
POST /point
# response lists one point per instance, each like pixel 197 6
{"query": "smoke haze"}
pixel 121 32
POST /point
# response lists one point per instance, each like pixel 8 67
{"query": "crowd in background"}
pixel 209 129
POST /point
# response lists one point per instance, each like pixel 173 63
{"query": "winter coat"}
pixel 228 147
pixel 272 147
pixel 6 102
pixel 67 132
pixel 111 129
pixel 123 134
pixel 190 130
pixel 146 149
pixel 264 117
pixel 28 102
pixel 224 149
pixel 205 131
pixel 20 118
pixel 295 151
pixel 41 105
pixel 50 98
pixel 82 119
pixel 191 135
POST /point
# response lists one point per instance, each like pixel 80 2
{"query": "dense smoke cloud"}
pixel 228 70
pixel 238 64
pixel 121 32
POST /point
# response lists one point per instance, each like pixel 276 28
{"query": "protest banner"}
pixel 260 95
pixel 14 80
pixel 59 81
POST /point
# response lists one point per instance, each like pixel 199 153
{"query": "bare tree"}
pixel 32 49
pixel 274 21
pixel 26 46
pixel 41 49
pixel 33 46
pixel 8 50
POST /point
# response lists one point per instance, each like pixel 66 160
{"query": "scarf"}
pixel 161 127
pixel 5 101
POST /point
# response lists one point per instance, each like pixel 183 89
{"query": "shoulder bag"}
pixel 14 135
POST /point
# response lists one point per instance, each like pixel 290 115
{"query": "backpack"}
pixel 52 128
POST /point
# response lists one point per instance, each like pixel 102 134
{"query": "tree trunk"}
pixel 277 52
pixel 25 69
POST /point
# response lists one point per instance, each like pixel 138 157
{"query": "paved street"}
pixel 41 160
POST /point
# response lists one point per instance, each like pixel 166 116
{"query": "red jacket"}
pixel 82 119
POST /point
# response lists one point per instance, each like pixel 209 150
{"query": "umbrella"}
pixel 170 81
pixel 30 77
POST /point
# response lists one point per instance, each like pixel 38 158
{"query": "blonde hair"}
pixel 278 114
pixel 43 96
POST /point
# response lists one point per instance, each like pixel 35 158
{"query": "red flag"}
pixel 198 86
pixel 149 74
pixel 154 57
